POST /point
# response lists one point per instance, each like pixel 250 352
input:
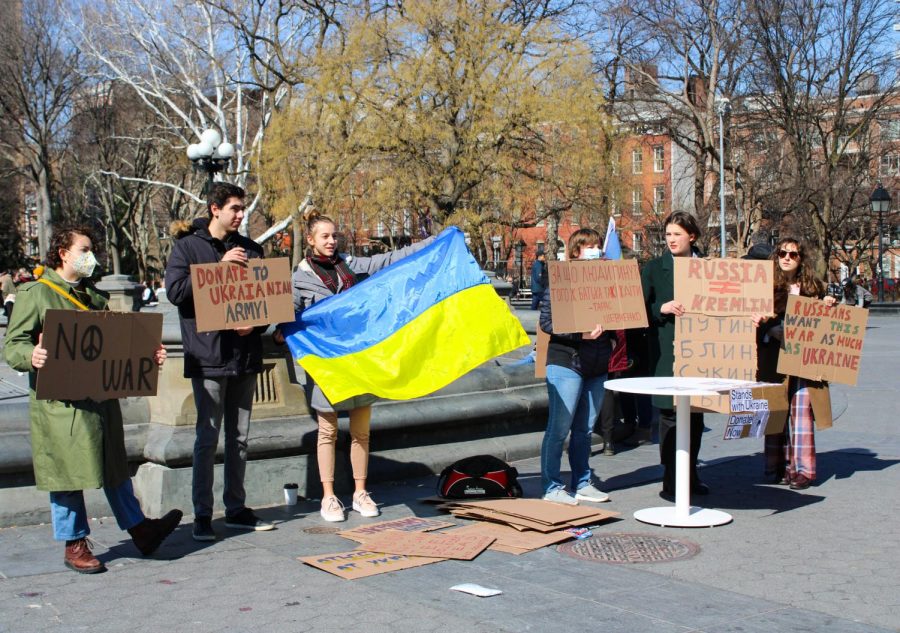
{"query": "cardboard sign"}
pixel 457 546
pixel 541 346
pixel 724 287
pixel 585 293
pixel 821 342
pixel 359 563
pixel 511 540
pixel 408 524
pixel 714 347
pixel 229 296
pixel 99 355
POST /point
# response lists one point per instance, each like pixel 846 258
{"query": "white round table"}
pixel 683 514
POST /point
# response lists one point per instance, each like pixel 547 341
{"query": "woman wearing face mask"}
pixel 76 444
pixel 321 274
pixel 577 365
pixel 791 455
pixel 658 281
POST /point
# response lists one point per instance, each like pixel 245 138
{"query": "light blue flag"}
pixel 611 247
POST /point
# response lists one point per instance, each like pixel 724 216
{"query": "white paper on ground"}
pixel 476 590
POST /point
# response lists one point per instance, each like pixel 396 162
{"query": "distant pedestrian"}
pixel 539 280
pixel 791 455
pixel 76 444
pixel 8 288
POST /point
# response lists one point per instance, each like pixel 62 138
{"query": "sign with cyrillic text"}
pixel 584 293
pixel 715 347
pixel 229 296
pixel 822 342
pixel 724 287
pixel 99 355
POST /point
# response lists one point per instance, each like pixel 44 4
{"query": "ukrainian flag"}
pixel 408 330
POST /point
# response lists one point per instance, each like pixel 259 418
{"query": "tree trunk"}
pixel 552 235
pixel 44 211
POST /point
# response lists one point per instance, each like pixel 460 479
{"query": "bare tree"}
pixel 41 75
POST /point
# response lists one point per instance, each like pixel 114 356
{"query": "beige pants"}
pixel 359 443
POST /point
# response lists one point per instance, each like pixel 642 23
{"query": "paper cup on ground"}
pixel 290 494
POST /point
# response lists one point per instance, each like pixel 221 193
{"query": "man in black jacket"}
pixel 222 365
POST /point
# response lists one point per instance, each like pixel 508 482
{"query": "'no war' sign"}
pixel 99 355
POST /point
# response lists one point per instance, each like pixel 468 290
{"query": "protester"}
pixel 577 365
pixel 8 289
pixel 657 278
pixel 223 365
pixel 855 294
pixel 539 280
pixel 76 444
pixel 791 455
pixel 148 295
pixel 322 274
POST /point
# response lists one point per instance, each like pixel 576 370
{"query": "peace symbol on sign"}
pixel 92 343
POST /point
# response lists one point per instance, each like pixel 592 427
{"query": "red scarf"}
pixel 331 270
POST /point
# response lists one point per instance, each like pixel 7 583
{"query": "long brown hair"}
pixel 810 285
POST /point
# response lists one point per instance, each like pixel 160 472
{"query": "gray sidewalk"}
pixel 823 560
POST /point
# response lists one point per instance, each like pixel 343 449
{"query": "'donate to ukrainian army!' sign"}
pixel 99 355
pixel 229 296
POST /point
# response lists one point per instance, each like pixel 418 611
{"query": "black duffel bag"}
pixel 479 477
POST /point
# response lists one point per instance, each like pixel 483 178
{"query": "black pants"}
pixel 667 445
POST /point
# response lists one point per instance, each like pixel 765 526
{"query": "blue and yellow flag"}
pixel 408 330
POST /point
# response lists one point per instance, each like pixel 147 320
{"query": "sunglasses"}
pixel 792 254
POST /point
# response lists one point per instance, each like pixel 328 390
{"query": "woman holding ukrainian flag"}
pixel 322 274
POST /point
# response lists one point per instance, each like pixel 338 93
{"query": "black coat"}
pixel 589 358
pixel 209 354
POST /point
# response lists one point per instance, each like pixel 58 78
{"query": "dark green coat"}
pixel 658 281
pixel 74 445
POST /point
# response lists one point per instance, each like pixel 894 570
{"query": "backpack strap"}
pixel 63 293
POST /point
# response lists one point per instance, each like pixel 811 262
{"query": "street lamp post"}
pixel 723 107
pixel 881 204
pixel 520 246
pixel 210 155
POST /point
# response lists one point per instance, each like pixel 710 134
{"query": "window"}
pixel 637 161
pixel 636 243
pixel 614 159
pixel 890 130
pixel 659 159
pixel 890 165
pixel 614 207
pixel 637 198
pixel 659 199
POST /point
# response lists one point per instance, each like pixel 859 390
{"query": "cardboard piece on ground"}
pixel 525 524
pixel 714 347
pixel 360 563
pixel 724 287
pixel 457 546
pixel 99 355
pixel 511 540
pixel 584 293
pixel 406 524
pixel 537 510
pixel 821 342
pixel 229 296
pixel 540 348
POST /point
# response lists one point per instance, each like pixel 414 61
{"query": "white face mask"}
pixel 590 253
pixel 84 264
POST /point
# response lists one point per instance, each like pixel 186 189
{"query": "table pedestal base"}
pixel 668 516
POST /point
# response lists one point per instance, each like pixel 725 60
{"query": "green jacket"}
pixel 658 281
pixel 75 445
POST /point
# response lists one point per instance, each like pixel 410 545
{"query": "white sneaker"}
pixel 363 503
pixel 332 510
pixel 559 495
pixel 590 493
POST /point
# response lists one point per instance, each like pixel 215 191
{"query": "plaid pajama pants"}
pixel 793 451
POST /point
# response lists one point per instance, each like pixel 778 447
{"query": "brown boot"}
pixel 79 558
pixel 150 533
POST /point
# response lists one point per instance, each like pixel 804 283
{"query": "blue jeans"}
pixel 574 406
pixel 69 516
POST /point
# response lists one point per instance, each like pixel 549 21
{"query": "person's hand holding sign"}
pixel 39 353
pixel 159 356
pixel 593 334
pixel 672 307
pixel 243 331
pixel 237 255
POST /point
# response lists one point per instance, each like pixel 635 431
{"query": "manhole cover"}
pixel 630 548
pixel 322 529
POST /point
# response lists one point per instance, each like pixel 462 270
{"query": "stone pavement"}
pixel 823 560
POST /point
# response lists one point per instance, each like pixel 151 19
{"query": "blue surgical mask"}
pixel 590 253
